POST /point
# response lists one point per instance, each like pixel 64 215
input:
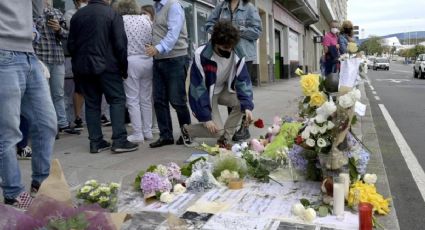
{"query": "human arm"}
pixel 175 24
pixel 253 28
pixel 213 18
pixel 119 43
pixel 243 87
pixel 199 99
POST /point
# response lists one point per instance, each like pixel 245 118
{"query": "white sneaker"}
pixel 136 138
pixel 155 129
pixel 148 136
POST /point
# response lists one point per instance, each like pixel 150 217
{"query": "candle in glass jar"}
pixel 346 177
pixel 365 216
pixel 338 196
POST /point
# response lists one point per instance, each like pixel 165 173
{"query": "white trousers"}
pixel 138 90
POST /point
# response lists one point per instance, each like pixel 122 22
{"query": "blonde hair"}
pixel 128 7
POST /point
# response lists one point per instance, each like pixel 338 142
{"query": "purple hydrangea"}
pixel 152 183
pixel 174 172
pixel 297 159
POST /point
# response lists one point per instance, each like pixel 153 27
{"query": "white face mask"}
pixel 334 30
pixel 83 4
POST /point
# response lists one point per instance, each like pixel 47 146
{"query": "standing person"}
pixel 23 90
pixel 138 85
pixel 78 99
pixel 331 49
pixel 219 77
pixel 52 28
pixel 345 36
pixel 245 17
pixel 170 51
pixel 150 11
pixel 98 45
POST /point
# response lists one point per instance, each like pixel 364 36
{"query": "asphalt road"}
pixel 403 97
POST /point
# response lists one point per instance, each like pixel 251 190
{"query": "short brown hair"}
pixel 128 7
pixel 224 33
pixel 149 9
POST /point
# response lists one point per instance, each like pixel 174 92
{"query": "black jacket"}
pixel 97 41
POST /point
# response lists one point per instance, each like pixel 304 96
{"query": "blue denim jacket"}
pixel 343 43
pixel 246 19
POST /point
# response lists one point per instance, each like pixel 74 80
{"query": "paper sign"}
pixel 349 72
pixel 360 108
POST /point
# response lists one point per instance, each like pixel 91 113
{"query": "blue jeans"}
pixel 169 79
pixel 57 81
pixel 24 89
pixel 24 127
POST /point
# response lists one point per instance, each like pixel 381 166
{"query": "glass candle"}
pixel 365 216
pixel 338 195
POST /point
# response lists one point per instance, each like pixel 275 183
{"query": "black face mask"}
pixel 223 53
pixel 348 30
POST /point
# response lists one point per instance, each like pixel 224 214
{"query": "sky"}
pixel 382 17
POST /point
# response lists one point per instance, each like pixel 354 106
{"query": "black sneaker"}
pixel 105 121
pixel 99 147
pixel 24 153
pixel 185 139
pixel 69 130
pixel 125 146
pixel 23 201
pixel 241 134
pixel 35 186
pixel 78 124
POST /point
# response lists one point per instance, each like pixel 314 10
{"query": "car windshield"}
pixel 382 60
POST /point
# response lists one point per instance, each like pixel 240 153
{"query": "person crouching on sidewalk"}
pixel 219 76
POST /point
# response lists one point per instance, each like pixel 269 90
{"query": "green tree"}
pixel 372 46
pixel 419 49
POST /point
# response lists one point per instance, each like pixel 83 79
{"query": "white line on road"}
pixel 402 71
pixel 410 158
pixel 377 98
pixel 371 87
pixel 374 92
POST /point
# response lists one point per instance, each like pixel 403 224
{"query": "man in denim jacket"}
pixel 219 77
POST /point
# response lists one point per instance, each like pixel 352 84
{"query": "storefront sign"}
pixel 282 16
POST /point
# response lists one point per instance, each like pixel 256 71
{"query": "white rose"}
pixel 321 142
pixel 320 118
pixel 166 197
pixel 331 125
pixel 346 101
pixel 314 130
pixel 328 199
pixel 179 189
pixel 306 133
pixel 310 142
pixel 298 209
pixel 356 94
pixel 236 148
pixel 309 215
pixel 323 129
pixel 244 145
pixel 370 178
pixel 327 108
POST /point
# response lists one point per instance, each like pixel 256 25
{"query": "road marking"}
pixel 410 158
pixel 371 87
pixel 403 71
pixel 374 92
pixel 394 80
pixel 377 98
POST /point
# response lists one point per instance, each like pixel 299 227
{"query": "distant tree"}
pixel 372 46
pixel 419 49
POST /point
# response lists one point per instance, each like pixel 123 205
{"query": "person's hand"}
pixel 248 116
pixel 54 25
pixel 211 126
pixel 337 46
pixel 151 50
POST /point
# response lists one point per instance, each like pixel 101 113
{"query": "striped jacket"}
pixel 203 75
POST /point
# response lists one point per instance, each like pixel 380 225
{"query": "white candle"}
pixel 346 177
pixel 338 196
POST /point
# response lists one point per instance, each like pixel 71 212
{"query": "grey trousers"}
pixel 227 99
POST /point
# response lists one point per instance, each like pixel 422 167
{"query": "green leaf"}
pixel 305 202
pixel 354 120
pixel 186 170
pixel 323 211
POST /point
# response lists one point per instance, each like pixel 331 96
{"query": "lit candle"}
pixel 346 177
pixel 365 216
pixel 338 195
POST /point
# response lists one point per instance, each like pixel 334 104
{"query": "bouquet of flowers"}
pixel 160 181
pixel 103 194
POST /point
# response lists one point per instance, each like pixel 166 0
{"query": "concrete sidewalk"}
pixel 278 99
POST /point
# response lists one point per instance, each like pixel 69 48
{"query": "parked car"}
pixel 419 67
pixel 370 63
pixel 381 63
